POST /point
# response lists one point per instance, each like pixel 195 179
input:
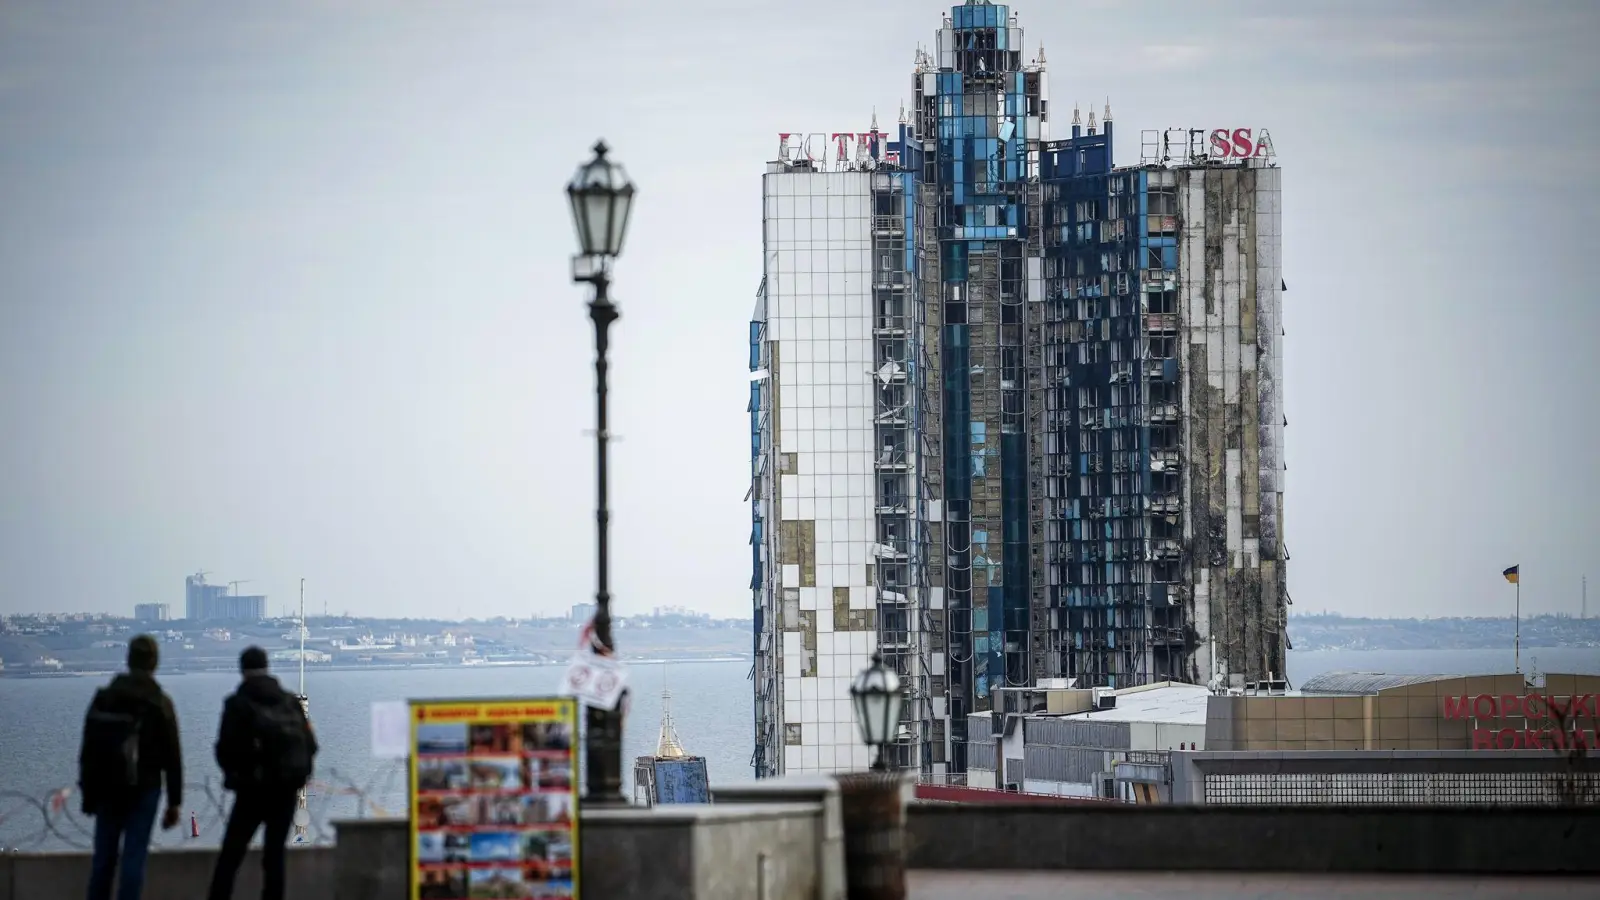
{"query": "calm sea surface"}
pixel 40 721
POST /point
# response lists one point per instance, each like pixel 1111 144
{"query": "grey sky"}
pixel 283 286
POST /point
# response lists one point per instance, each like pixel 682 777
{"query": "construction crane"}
pixel 233 586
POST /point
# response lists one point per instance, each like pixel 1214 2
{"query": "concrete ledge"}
pixel 373 859
pixel 170 873
pixel 1475 840
pixel 702 852
pixel 822 790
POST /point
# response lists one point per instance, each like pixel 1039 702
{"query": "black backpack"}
pixel 111 735
pixel 283 744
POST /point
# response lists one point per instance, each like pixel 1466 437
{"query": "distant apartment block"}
pixel 582 612
pixel 152 612
pixel 211 602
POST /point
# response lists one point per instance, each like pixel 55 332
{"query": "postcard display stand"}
pixel 494 799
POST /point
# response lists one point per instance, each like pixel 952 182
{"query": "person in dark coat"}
pixel 264 746
pixel 130 744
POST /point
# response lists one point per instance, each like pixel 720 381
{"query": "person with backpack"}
pixel 265 747
pixel 130 742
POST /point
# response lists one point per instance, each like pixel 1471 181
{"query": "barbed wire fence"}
pixel 54 820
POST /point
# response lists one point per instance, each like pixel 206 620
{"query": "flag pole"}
pixel 1517 641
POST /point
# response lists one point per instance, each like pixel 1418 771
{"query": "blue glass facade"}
pixel 766 701
pixel 978 125
pixel 1098 376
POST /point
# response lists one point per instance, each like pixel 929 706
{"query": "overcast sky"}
pixel 284 293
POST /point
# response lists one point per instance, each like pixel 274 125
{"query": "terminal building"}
pixel 1346 711
pixel 1341 737
pixel 1016 411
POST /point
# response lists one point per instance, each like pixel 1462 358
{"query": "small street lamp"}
pixel 875 697
pixel 602 197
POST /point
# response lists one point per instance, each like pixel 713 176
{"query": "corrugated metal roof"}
pixel 1362 682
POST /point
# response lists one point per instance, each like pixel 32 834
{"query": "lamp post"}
pixel 602 197
pixel 875 697
pixel 871 804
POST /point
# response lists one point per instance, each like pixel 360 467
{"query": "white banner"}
pixel 391 729
pixel 595 680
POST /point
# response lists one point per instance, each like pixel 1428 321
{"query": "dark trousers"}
pixel 251 810
pixel 125 826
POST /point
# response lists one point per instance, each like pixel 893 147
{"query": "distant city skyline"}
pixel 287 613
pixel 285 292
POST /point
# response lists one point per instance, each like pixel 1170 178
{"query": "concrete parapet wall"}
pixel 722 852
pixel 372 860
pixel 730 851
pixel 1477 840
pixel 820 789
pixel 170 874
pixel 766 847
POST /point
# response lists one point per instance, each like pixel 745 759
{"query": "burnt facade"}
pixel 1160 446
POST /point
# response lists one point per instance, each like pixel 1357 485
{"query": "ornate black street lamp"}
pixel 875 697
pixel 601 197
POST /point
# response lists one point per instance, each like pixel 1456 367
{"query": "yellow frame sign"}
pixel 494 799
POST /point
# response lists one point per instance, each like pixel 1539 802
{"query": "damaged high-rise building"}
pixel 1015 411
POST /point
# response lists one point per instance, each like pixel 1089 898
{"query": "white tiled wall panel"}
pixel 819 303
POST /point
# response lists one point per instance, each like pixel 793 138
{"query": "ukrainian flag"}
pixel 1511 574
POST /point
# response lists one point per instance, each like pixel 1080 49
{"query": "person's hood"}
pixel 136 685
pixel 261 688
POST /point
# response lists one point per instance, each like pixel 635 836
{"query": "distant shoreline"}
pixel 373 667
